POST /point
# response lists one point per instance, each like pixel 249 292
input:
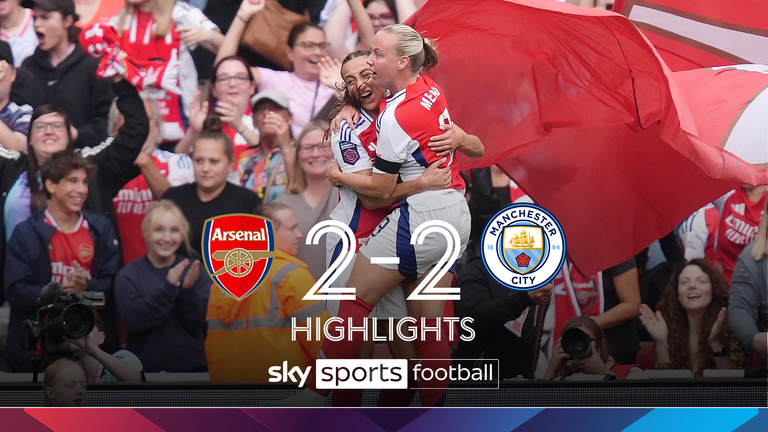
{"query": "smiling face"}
pixel 357 78
pixel 165 238
pixel 49 135
pixel 211 165
pixel 314 154
pixel 233 84
pixel 380 15
pixel 68 388
pixel 384 61
pixel 694 288
pixel 51 28
pixel 70 192
pixel 307 52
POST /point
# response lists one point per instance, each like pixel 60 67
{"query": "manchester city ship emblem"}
pixel 523 247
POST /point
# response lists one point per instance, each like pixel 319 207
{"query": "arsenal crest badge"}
pixel 238 250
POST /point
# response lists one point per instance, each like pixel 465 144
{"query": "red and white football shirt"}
pixel 66 248
pixel 738 227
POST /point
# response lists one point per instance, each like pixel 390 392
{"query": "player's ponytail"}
pixel 430 54
pixel 420 51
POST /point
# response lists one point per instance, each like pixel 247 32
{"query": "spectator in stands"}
pixel 266 169
pixel 748 308
pixel 692 313
pixel 50 133
pixel 245 353
pixel 16 28
pixel 61 244
pixel 160 170
pixel 310 194
pixel 610 297
pixel 162 296
pixel 499 320
pixel 307 44
pixel 599 362
pixel 68 75
pixel 64 384
pixel 339 31
pixel 738 225
pixel 211 194
pixel 167 30
pixel 14 119
pixel 232 87
pixel 100 366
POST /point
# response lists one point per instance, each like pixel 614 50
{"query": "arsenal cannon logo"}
pixel 238 251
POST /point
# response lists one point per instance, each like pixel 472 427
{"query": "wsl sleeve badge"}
pixel 523 247
pixel 237 251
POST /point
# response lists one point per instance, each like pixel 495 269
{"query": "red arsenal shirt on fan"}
pixel 66 248
pixel 738 227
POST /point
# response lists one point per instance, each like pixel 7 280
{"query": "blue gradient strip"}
pixel 693 419
pixel 584 419
pixel 472 419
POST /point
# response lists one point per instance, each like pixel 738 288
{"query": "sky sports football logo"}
pixel 390 373
pixel 523 247
pixel 237 252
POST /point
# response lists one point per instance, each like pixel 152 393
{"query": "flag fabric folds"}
pixel 577 107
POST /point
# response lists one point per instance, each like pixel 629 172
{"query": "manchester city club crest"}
pixel 523 247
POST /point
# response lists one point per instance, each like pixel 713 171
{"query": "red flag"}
pixel 693 34
pixel 579 110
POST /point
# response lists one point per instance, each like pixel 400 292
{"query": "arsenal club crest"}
pixel 238 250
pixel 523 247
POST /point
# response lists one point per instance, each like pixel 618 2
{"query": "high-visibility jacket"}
pixel 245 338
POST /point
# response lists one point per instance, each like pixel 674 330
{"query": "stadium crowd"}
pixel 126 124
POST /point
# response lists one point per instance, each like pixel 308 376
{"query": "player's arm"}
pixel 455 138
pixel 434 178
pixel 375 185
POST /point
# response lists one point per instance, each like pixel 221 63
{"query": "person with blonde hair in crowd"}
pixel 310 194
pixel 64 384
pixel 163 295
pixel 748 307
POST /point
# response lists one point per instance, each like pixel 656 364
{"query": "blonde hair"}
pixel 158 210
pixel 52 372
pixel 422 52
pixel 161 11
pixel 298 181
pixel 760 248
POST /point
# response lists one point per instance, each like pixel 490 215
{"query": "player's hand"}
pixel 542 295
pixel 330 73
pixel 654 323
pixel 249 8
pixel 333 171
pixel 446 143
pixel 436 178
pixel 348 113
pixel 191 277
pixel 174 274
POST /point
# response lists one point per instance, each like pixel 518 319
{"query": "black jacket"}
pixel 113 159
pixel 492 305
pixel 73 87
pixel 28 270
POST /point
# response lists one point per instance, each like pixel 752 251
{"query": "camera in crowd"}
pixel 577 343
pixel 64 314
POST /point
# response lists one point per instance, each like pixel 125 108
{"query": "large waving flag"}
pixel 576 106
pixel 692 34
